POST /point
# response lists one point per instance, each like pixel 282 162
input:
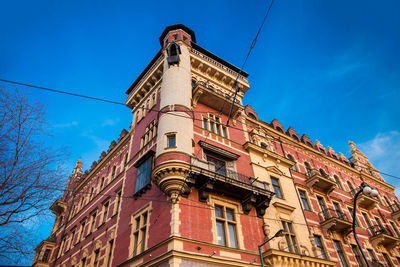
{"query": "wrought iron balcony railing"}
pixel 377 230
pixel 332 213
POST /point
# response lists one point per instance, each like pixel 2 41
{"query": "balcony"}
pixel 320 182
pixel 376 263
pixel 395 209
pixel 58 207
pixel 215 98
pixel 364 201
pixel 334 220
pixel 383 236
pixel 206 178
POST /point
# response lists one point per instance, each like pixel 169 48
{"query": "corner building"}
pixel 181 189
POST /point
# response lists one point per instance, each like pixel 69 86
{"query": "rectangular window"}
pixel 118 201
pixel 171 140
pixel 140 233
pixel 96 257
pixel 46 255
pixel 338 183
pixel 351 216
pixel 277 188
pixel 83 262
pixel 71 241
pixel 387 259
pixel 105 211
pixel 151 132
pixel 226 226
pixel 214 124
pixel 304 200
pixel 114 168
pixel 92 222
pixel 110 251
pixel 366 219
pixel 91 193
pixel 290 237
pixel 395 229
pixel 101 183
pixel 320 247
pixel 371 255
pixel 81 230
pixel 357 255
pixel 143 175
pixel 220 165
pixel 61 247
pixel 340 253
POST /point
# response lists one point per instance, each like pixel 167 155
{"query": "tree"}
pixel 29 169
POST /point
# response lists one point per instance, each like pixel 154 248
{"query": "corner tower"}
pixel 175 123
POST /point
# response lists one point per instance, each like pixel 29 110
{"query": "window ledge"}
pixel 170 148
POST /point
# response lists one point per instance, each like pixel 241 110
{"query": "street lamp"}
pixel 279 233
pixel 368 191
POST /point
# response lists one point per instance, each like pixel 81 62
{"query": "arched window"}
pixel 279 129
pixel 295 137
pixel 308 169
pixel 264 145
pixel 351 187
pixel 309 144
pixel 294 167
pixel 337 180
pixel 323 173
pixel 251 115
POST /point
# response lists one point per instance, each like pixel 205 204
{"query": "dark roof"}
pixel 143 72
pixel 177 27
pixel 218 59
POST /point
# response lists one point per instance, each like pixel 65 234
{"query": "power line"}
pixel 253 44
pixel 62 92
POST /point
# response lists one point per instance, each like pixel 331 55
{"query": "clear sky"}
pixel 330 69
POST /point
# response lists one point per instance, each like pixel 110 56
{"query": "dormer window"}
pixel 251 115
pixel 279 129
pixel 173 52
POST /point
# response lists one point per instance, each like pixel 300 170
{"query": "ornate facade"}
pixel 181 188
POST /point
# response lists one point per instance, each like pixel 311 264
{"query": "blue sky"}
pixel 330 69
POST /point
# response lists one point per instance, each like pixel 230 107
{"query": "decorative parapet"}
pixel 278 258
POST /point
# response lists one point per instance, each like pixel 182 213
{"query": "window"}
pixel 338 183
pixel 96 257
pixel 61 247
pixel 277 188
pixel 378 221
pixel 357 255
pixel 322 204
pixel 143 175
pixel 340 253
pixel 290 237
pixel 323 173
pixel 91 193
pixel 101 183
pixel 387 259
pixel 320 247
pixel 110 251
pixel 226 226
pixel 114 168
pixel 125 160
pixel 294 167
pixel 220 165
pixel 151 132
pixel 279 129
pixel 351 216
pixel 371 254
pixel 171 140
pixel 92 221
pixel 304 200
pixel 118 202
pixel 83 262
pixel 264 145
pixel 388 203
pixel 351 187
pixel 214 124
pixel 71 241
pixel 46 255
pixel 140 232
pixel 338 210
pixel 105 212
pixel 366 219
pixel 81 230
pixel 308 169
pixel 395 228
pixel 251 115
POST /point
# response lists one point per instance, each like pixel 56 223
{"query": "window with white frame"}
pixel 213 123
pixel 226 226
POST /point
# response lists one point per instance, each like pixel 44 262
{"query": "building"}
pixel 181 188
